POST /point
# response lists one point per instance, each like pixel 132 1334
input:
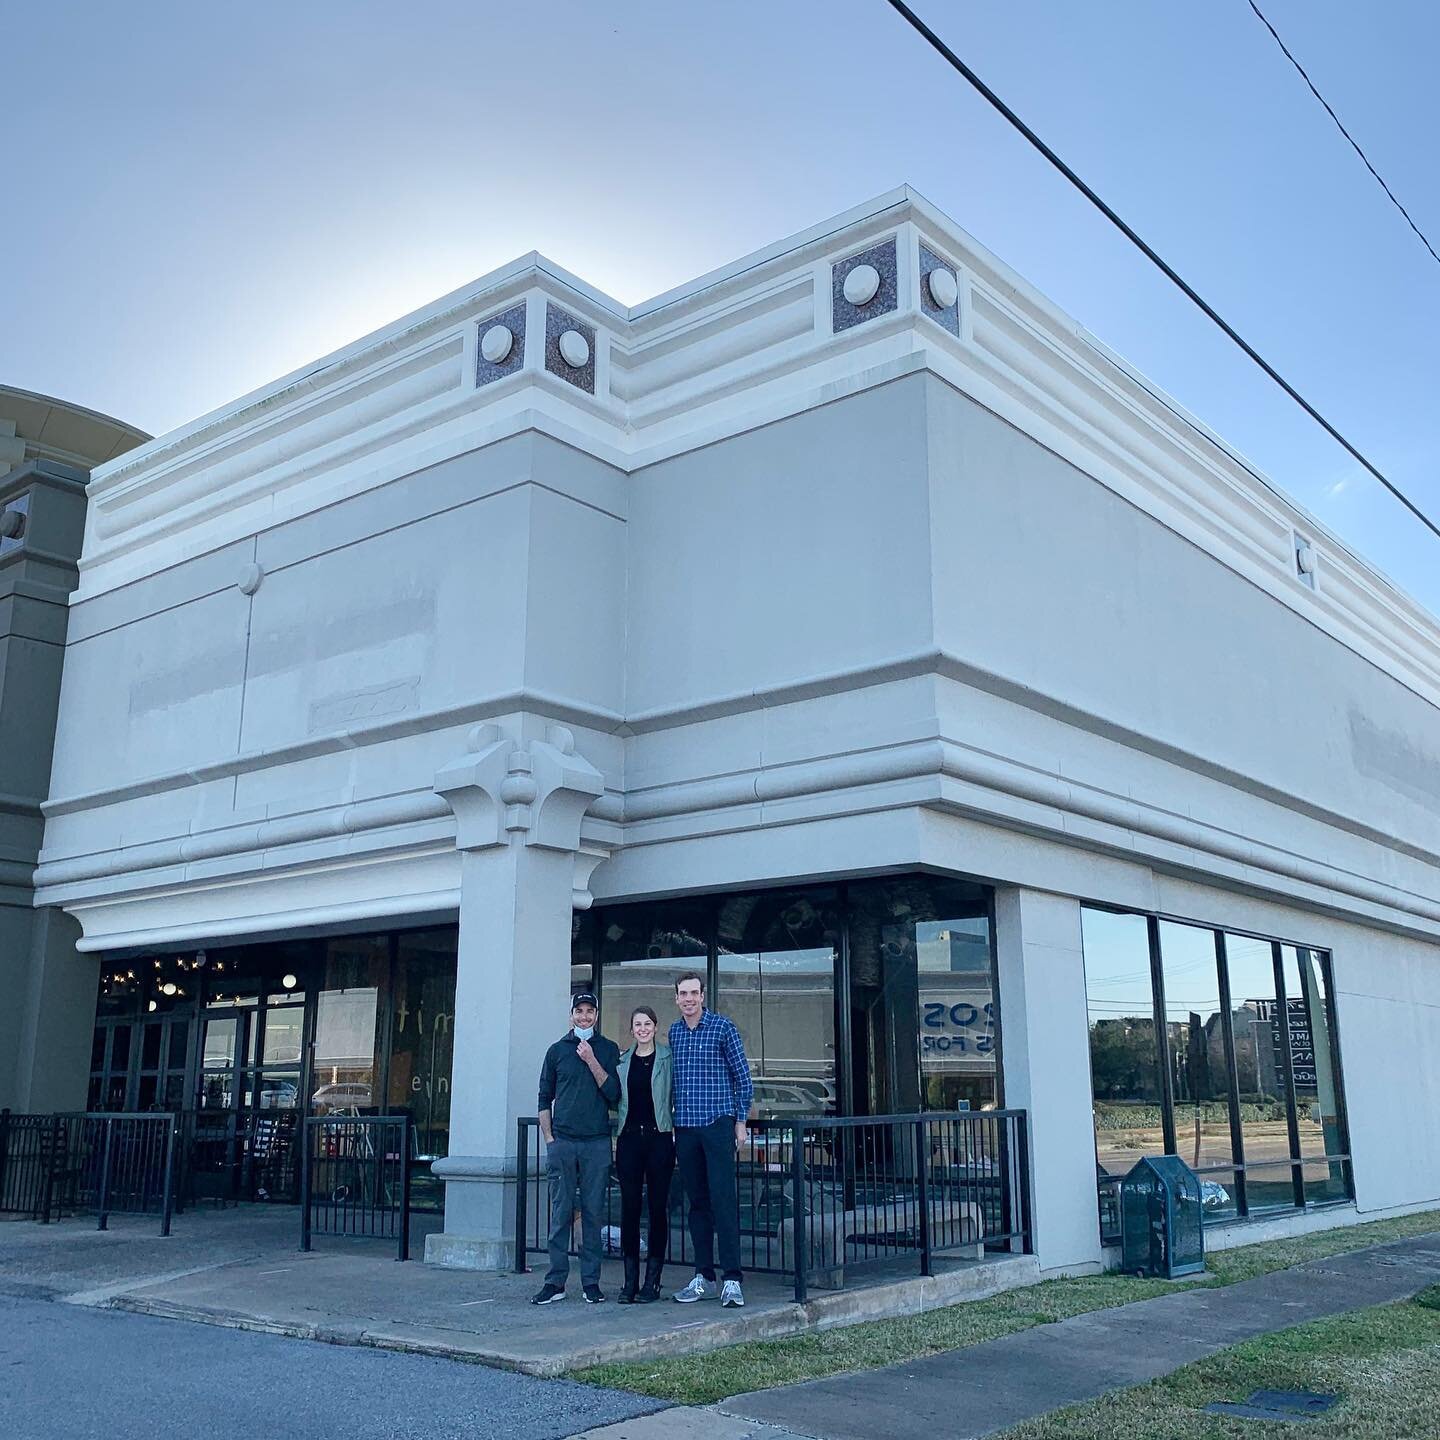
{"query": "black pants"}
pixel 706 1156
pixel 645 1159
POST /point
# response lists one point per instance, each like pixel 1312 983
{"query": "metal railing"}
pixel 819 1196
pixel 355 1179
pixel 53 1165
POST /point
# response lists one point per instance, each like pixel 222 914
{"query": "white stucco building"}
pixel 880 622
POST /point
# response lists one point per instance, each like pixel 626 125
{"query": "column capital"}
pixel 504 790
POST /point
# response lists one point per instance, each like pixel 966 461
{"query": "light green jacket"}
pixel 661 1078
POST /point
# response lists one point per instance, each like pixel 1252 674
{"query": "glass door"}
pixel 227 1038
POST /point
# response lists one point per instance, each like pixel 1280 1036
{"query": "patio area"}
pixel 242 1267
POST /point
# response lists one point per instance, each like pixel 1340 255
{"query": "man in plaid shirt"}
pixel 712 1095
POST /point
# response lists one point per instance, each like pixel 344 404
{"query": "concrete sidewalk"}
pixel 242 1268
pixel 989 1387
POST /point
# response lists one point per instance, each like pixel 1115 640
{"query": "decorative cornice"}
pixel 738 348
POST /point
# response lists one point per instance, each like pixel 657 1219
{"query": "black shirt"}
pixel 641 1112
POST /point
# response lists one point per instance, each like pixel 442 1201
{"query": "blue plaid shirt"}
pixel 712 1075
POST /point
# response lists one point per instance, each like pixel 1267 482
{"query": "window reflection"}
pixel 346 1019
pixel 423 1034
pixel 644 949
pixel 1129 1121
pixel 1317 1094
pixel 922 1004
pixel 1257 1007
pixel 776 955
pixel 1260 1071
pixel 1195 1055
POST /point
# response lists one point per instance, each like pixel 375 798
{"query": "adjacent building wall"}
pixel 39 1064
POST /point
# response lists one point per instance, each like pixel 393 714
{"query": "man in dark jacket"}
pixel 579 1085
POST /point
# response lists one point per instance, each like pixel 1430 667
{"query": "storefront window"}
pixel 1125 1079
pixel 422 1044
pixel 347 1012
pixel 1198 1068
pixel 1317 1089
pixel 958 1019
pixel 1243 1084
pixel 643 950
pixel 775 963
pixel 1261 1072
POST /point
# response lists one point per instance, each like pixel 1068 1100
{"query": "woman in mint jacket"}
pixel 644 1154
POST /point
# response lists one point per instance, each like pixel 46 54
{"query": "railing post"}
pixel 1017 1178
pixel 922 1183
pixel 797 1197
pixel 168 1201
pixel 404 1187
pixel 305 1124
pixel 57 1130
pixel 522 1184
pixel 103 1199
pixel 4 1151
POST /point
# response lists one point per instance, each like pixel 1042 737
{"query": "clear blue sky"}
pixel 198 198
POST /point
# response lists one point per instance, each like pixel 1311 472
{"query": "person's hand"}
pixel 742 1133
pixel 584 1051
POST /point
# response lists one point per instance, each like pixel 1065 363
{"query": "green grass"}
pixel 1383 1362
pixel 704 1379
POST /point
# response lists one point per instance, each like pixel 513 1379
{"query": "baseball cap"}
pixel 584 997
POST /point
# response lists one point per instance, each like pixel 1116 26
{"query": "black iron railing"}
pixel 355 1179
pixel 819 1196
pixel 100 1164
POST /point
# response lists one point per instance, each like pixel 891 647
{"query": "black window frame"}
pixel 1285 1060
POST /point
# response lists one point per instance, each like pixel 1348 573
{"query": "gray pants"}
pixel 583 1166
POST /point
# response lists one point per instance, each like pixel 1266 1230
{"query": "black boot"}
pixel 632 1281
pixel 654 1269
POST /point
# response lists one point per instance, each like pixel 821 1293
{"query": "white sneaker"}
pixel 698 1289
pixel 731 1295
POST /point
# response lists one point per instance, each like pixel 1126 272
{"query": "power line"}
pixel 1354 144
pixel 1150 254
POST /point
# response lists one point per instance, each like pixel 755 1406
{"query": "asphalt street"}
pixel 69 1373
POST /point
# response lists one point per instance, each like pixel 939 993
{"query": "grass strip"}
pixel 1384 1362
pixel 760 1365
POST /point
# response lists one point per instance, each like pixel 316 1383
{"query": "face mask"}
pixel 584 1034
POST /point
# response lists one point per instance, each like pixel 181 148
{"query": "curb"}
pixel 824 1312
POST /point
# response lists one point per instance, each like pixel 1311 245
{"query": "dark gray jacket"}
pixel 579 1108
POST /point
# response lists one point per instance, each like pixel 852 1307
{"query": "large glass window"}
pixel 1320 1122
pixel 344 1075
pixel 643 950
pixel 1199 1070
pixel 1241 1081
pixel 870 997
pixel 1125 1076
pixel 775 977
pixel 422 1043
pixel 1261 1073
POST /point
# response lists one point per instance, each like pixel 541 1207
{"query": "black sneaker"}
pixel 547 1294
pixel 593 1295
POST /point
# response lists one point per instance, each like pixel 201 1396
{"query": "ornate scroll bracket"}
pixel 504 791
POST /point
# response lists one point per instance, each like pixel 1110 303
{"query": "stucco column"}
pixel 56 1018
pixel 518 805
pixel 1046 1055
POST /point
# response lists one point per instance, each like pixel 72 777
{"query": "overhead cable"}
pixel 1150 254
pixel 1354 144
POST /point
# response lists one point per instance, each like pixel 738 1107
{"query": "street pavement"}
pixel 71 1373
